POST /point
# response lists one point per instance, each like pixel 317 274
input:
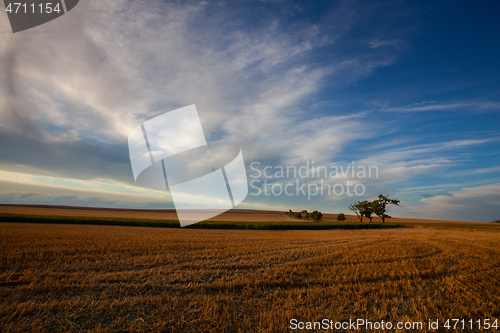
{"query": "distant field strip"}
pixel 56 278
pixel 261 225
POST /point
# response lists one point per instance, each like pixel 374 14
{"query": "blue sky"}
pixel 409 87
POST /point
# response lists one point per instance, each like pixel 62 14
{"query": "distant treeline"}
pixel 316 216
pixel 278 225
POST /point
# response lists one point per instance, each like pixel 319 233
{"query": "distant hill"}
pixel 233 215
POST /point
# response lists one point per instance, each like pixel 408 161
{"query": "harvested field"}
pixel 152 214
pixel 113 279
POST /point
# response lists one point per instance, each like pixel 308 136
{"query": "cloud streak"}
pixel 469 204
pixel 471 106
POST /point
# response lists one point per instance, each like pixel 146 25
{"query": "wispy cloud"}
pixel 114 65
pixel 25 188
pixel 467 204
pixel 472 106
pixel 471 172
pixel 383 43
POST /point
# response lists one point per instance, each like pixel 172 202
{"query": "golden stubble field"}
pixel 109 279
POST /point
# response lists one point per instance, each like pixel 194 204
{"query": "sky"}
pixel 409 87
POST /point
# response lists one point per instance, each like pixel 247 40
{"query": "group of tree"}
pixel 315 215
pixel 376 207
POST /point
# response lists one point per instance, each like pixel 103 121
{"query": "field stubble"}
pixel 109 278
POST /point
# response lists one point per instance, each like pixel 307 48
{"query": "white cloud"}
pixel 114 64
pixel 25 188
pixel 467 204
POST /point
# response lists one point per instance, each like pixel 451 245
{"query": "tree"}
pixel 380 206
pixel 356 209
pixel 341 217
pixel 316 216
pixel 360 208
pixel 369 210
pixel 305 212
